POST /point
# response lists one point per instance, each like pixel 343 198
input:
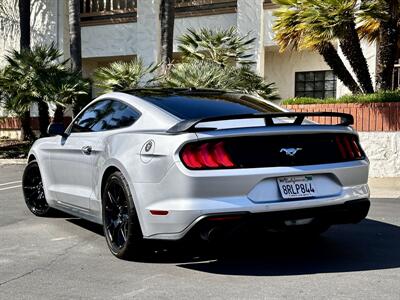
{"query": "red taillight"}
pixel 348 147
pixel 206 156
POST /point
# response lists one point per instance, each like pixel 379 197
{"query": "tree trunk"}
pixel 75 43
pixel 25 44
pixel 332 58
pixel 26 130
pixel 44 118
pixel 25 24
pixel 387 48
pixel 167 12
pixel 75 35
pixel 58 114
pixel 351 48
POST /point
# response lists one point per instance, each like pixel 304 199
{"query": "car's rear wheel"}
pixel 32 186
pixel 120 222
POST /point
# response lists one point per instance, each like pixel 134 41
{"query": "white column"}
pixel 250 18
pixel 148 30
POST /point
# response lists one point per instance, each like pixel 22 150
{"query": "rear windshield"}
pixel 198 107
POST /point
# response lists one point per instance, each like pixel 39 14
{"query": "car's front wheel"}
pixel 120 222
pixel 32 186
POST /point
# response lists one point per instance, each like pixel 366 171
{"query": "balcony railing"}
pixel 98 12
pixel 189 8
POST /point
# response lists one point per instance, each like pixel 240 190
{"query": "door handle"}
pixel 87 150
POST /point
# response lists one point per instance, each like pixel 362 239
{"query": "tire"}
pixel 120 222
pixel 32 186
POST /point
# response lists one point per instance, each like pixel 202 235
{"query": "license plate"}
pixel 297 187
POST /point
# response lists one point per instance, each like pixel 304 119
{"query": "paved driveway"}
pixel 66 258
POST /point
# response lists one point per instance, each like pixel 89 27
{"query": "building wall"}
pixel 281 67
pixel 109 40
pixel 383 150
pixel 44 20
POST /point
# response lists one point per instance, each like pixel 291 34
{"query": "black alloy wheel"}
pixel 120 222
pixel 32 186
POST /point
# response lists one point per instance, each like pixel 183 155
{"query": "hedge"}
pixel 385 96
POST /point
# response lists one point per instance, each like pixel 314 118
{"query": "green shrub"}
pixel 384 96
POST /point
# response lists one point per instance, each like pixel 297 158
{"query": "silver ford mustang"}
pixel 168 163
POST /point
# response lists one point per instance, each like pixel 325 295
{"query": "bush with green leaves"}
pixel 378 97
pixel 221 46
pixel 120 76
pixel 206 74
pixel 217 59
pixel 37 77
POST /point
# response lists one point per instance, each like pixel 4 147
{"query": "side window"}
pixel 105 115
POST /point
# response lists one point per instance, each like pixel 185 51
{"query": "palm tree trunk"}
pixel 351 48
pixel 332 58
pixel 44 118
pixel 58 114
pixel 25 44
pixel 25 23
pixel 26 130
pixel 167 12
pixel 75 37
pixel 75 34
pixel 387 48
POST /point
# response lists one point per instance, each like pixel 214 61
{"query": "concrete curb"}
pixel 4 162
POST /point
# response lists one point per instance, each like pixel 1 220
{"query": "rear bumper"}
pixel 350 212
pixel 189 196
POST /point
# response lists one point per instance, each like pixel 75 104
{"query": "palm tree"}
pixel 291 32
pixel 336 19
pixel 167 14
pixel 36 76
pixel 329 21
pixel 208 74
pixel 119 76
pixel 75 45
pixel 75 34
pixel 209 61
pixel 25 43
pixel 379 21
pixel 219 46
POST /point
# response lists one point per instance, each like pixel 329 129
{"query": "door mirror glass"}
pixel 56 129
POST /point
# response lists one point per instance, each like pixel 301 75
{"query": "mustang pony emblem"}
pixel 290 151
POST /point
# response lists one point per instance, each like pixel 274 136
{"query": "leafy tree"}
pixel 291 32
pixel 327 21
pixel 119 76
pixel 379 21
pixel 36 77
pixel 218 46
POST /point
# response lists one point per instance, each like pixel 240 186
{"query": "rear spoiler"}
pixel 190 125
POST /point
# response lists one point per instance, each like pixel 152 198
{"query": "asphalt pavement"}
pixel 67 258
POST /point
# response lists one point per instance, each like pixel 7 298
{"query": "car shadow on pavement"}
pixel 93 227
pixel 370 245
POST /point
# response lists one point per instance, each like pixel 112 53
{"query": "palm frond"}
pixel 119 76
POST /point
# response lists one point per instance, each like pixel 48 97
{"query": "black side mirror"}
pixel 56 129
